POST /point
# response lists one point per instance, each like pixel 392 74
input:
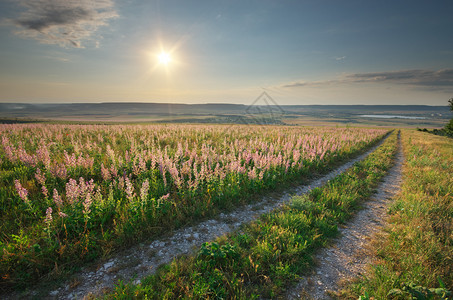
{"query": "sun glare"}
pixel 164 58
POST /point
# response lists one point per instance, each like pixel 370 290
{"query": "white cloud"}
pixel 63 22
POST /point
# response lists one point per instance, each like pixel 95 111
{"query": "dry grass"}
pixel 417 248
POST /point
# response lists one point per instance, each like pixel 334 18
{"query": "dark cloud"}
pixel 421 78
pixel 63 22
pixel 55 17
pixel 414 77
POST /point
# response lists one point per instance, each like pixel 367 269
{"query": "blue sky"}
pixel 300 52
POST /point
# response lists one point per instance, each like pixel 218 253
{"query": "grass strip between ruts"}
pixel 264 257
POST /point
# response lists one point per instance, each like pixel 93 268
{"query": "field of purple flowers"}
pixel 72 193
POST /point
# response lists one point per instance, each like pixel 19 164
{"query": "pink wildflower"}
pixel 44 190
pixel 62 214
pixel 129 189
pixel 110 153
pixel 48 219
pixel 121 183
pixel 252 174
pixel 127 157
pixel 86 163
pixel 57 198
pixel 141 163
pixel 23 193
pixel 59 171
pixel 72 191
pixel 113 171
pixel 87 204
pixel 105 173
pixel 322 155
pixel 43 155
pixel 144 190
pixel 9 149
pixel 40 177
pixel 25 157
pixel 71 160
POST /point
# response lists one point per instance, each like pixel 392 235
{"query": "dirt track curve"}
pixel 348 256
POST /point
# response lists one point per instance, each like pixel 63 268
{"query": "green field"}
pixel 74 194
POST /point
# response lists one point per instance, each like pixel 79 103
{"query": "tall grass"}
pixel 264 257
pixel 415 257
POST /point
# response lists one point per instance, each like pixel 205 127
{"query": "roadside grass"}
pixel 415 256
pixel 264 257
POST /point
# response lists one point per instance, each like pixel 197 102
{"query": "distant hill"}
pixel 206 113
pixel 113 108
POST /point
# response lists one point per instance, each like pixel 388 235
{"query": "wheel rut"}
pixel 348 256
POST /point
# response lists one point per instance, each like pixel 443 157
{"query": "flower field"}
pixel 266 257
pixel 72 193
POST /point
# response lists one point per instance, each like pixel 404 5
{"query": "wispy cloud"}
pixel 340 58
pixel 418 78
pixel 303 83
pixel 58 58
pixel 63 22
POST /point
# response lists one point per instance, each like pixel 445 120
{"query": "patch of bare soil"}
pixel 143 259
pixel 349 255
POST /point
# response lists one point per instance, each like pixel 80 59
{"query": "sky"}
pixel 226 51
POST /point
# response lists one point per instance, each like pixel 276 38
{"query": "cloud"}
pixel 296 84
pixel 62 22
pixel 340 58
pixel 418 78
pixel 58 58
pixel 442 77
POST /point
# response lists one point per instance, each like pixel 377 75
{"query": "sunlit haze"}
pixel 299 52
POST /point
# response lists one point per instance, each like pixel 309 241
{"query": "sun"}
pixel 164 58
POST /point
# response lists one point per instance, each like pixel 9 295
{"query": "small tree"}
pixel 449 126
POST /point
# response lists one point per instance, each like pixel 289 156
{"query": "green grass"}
pixel 263 258
pixel 416 255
